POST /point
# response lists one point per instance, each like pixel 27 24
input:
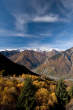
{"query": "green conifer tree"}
pixel 61 92
pixel 26 99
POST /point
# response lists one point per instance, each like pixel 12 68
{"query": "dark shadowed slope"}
pixel 11 68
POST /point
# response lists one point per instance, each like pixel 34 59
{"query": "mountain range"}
pixel 29 58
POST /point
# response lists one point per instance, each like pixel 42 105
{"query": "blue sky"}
pixel 42 24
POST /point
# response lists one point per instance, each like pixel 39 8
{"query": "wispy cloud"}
pixel 36 11
pixel 20 22
pixel 39 19
pixel 40 46
pixel 65 7
pixel 10 33
pixel 46 34
pixel 63 44
pixel 58 45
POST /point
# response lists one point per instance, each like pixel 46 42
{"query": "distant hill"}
pixel 29 58
pixel 11 68
pixel 60 65
pixel 8 53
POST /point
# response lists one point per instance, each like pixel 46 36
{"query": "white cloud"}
pixel 50 18
pixel 23 19
pixel 47 18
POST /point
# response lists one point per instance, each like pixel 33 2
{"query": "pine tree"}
pixel 26 99
pixel 61 92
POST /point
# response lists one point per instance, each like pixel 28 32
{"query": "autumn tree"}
pixel 42 96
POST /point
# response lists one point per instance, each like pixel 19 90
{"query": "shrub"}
pixel 70 92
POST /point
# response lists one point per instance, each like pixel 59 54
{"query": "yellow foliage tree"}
pixel 52 99
pixel 9 95
pixel 42 96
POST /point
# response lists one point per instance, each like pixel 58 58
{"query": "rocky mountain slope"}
pixel 60 65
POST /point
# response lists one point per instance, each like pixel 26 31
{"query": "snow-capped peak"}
pixel 34 49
